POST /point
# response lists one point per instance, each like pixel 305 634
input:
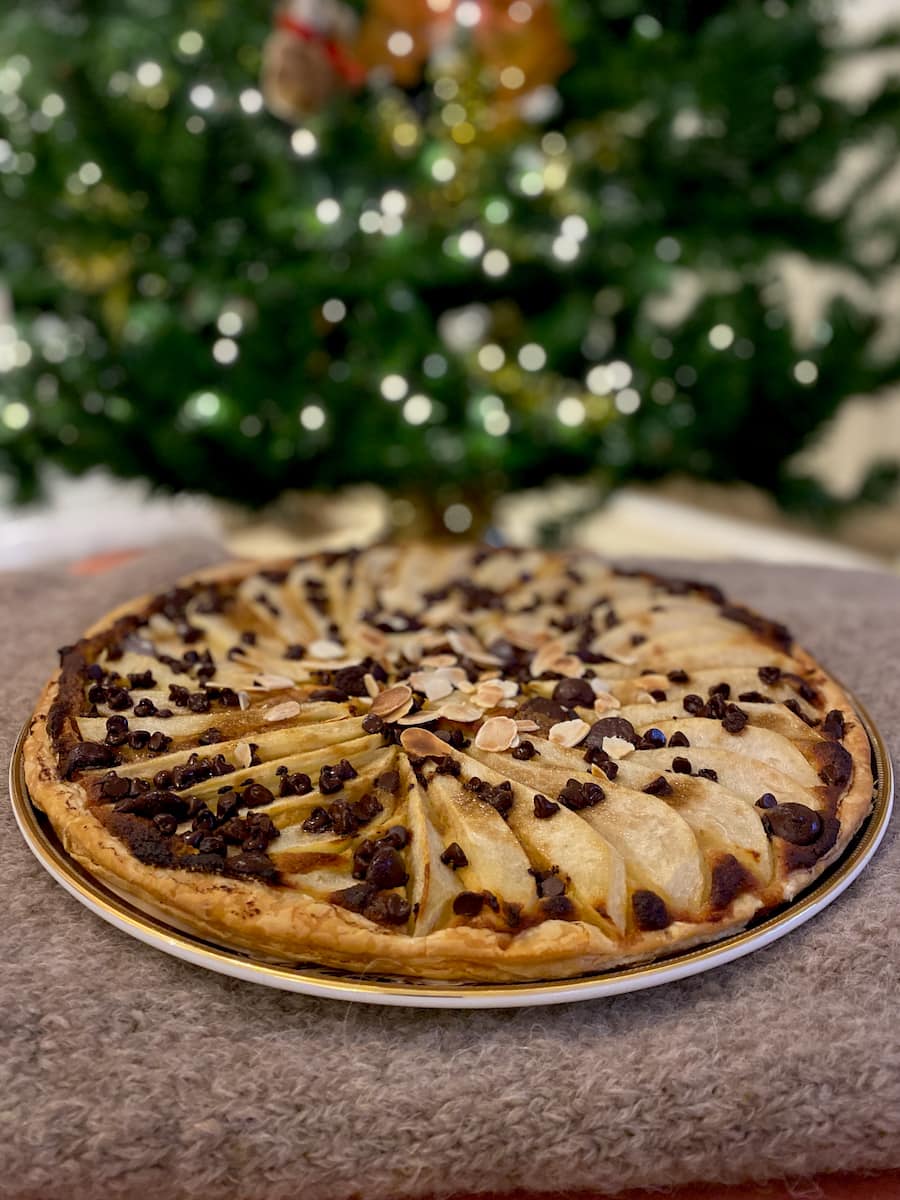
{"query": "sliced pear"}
pixel 433 885
pixel 747 778
pixel 658 845
pixel 725 824
pixel 496 860
pixel 761 745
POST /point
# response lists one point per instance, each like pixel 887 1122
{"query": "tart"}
pixel 451 763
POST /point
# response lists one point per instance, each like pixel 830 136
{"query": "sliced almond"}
pixel 468 646
pixel 325 648
pixel 458 710
pixel 569 665
pixel 391 698
pixel 270 683
pixel 497 734
pixel 438 660
pixel 282 712
pixel 373 639
pixel 371 684
pixel 645 698
pixel 599 686
pixel 243 701
pixel 606 701
pixel 569 733
pixel 653 682
pixel 547 656
pixel 422 742
pixel 396 713
pixel 488 695
pixel 616 747
pixel 527 726
pixel 434 684
pixel 243 754
pixel 419 718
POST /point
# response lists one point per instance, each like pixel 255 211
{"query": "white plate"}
pixel 160 932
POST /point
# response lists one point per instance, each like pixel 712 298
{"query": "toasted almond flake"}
pixel 616 747
pixel 421 742
pixel 282 712
pixel 325 648
pixel 243 701
pixel 627 660
pixel 396 713
pixel 527 726
pixel 243 754
pixel 391 698
pixel 599 686
pixel 655 681
pixel 569 733
pixel 434 684
pixel 496 734
pixel 547 656
pixel 524 635
pixel 645 698
pixel 488 695
pixel 569 665
pixel 373 639
pixel 270 683
pixel 371 684
pixel 419 718
pixel 469 647
pixel 606 701
pixel 439 660
pixel 458 710
pixel 463 685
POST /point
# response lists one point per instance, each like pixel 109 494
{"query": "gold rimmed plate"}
pixel 311 979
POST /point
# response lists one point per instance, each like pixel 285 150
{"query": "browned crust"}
pixel 290 926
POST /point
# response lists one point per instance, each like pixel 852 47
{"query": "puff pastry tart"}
pixel 450 763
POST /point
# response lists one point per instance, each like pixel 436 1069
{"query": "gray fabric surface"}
pixel 128 1073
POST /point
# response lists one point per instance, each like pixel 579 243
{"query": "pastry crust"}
pixel 525 941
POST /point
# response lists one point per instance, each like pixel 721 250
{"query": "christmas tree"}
pixel 483 242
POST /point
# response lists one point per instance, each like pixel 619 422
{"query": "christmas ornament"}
pixel 307 59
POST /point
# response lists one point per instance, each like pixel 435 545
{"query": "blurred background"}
pixel 621 273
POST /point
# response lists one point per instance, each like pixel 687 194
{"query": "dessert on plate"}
pixel 449 763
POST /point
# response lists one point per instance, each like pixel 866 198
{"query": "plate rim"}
pixel 334 983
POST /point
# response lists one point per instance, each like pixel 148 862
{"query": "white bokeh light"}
pixel 312 417
pixel 570 411
pixel 328 211
pixel 394 387
pixel 417 409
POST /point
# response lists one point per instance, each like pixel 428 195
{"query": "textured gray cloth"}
pixel 125 1072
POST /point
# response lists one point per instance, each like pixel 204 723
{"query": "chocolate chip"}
pixel 342 819
pixel 721 689
pixel 118 698
pixel 694 705
pixel 653 739
pixel 139 682
pixel 524 751
pixel 834 762
pixel 454 856
pixel 650 911
pixel 766 800
pixel 544 808
pixel 794 823
pixel 388 781
pixel 386 869
pixel 794 706
pixel 366 808
pixel 678 676
pixel 735 719
pixel 577 795
pixel 573 693
pixel 728 879
pixel 708 773
pixel 114 787
pixel 610 727
pixel 397 836
pixel 318 821
pixel 165 823
pixel 558 908
pixel 373 723
pixel 769 675
pixel 85 756
pixel 834 724
pixel 681 766
pixel 678 739
pixel 295 651
pixel 256 794
pixel 659 786
pixel 139 739
pixel 754 698
pixel 329 781
pixel 254 864
pixel 544 712
pixel 548 884
pixel 468 904
pixel 295 784
pixel 145 708
pixel 715 708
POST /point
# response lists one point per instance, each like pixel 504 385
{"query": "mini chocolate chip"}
pixel 681 766
pixel 794 823
pixel 333 695
pixel 142 680
pixel 165 823
pixel 318 821
pixel 295 651
pixel 766 800
pixel 653 739
pixel 85 756
pixel 386 870
pixel 366 808
pixel 659 786
pixel 329 780
pixel 256 794
pixel 252 863
pixel 558 908
pixel 678 739
pixel 468 904
pixel 573 693
pixel 769 675
pixel 397 836
pixel 114 787
pixel 721 689
pixel 145 708
pixel 708 773
pixel 388 909
pixel 694 705
pixel 139 739
pixel 834 726
pixel 118 698
pixel 650 911
pixel 373 723
pixel 454 856
pixel 728 879
pixel 735 719
pixel 577 795
pixel 544 808
pixel 524 751
pixel 295 784
pixel 549 885
pixel 754 698
pixel 678 676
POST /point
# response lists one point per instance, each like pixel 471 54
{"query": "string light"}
pixel 251 100
pixel 230 322
pixel 334 311
pixel 491 357
pixel 443 169
pixel 599 381
pixel 149 74
pixel 225 351
pixel 394 202
pixel 520 12
pixel 394 387
pixel 304 142
pixel 312 417
pixel 495 263
pixel 620 374
pixel 470 243
pixel 417 409
pixel 328 211
pixel 202 96
pixel 571 411
pixel 53 105
pixel 203 406
pixel 806 372
pixel 190 42
pixel 721 337
pixel 532 357
pixel 15 416
pixel 628 401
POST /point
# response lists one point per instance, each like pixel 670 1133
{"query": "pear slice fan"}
pixel 449 763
